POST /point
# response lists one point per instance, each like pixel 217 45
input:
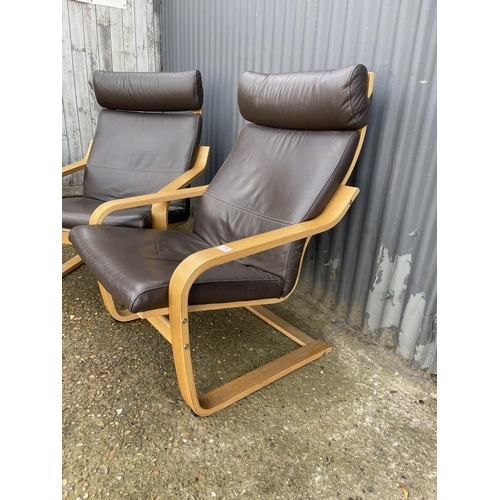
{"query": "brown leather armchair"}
pixel 147 139
pixel 283 182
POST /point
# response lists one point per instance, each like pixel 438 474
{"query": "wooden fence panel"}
pixel 98 37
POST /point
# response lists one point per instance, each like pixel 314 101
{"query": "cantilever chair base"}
pixel 227 394
pixel 207 404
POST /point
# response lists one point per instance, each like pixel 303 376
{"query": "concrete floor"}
pixel 357 424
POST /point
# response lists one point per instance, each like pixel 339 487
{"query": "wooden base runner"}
pixel 71 265
pixel 245 385
pixel 253 381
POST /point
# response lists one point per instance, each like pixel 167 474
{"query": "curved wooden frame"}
pixel 159 210
pixel 173 322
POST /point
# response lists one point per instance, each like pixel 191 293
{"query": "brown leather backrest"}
pixel 143 142
pixel 284 167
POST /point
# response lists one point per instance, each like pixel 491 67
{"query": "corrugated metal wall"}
pixel 107 38
pixel 386 247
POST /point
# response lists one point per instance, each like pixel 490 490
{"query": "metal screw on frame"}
pixel 388 295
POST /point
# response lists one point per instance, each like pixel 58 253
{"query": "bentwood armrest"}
pixel 177 329
pixel 78 165
pixel 148 199
pixel 159 200
pixel 193 173
pixel 194 265
pixel 159 211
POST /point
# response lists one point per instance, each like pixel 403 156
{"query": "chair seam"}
pixel 333 171
pixel 251 212
pixel 269 219
pixel 312 203
pixel 195 144
pixel 94 165
pixel 349 95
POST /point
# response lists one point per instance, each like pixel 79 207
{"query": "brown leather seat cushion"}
pixel 135 265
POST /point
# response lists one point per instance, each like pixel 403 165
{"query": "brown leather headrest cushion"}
pixel 136 91
pixel 310 100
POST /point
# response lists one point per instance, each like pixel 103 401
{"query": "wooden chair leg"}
pixel 122 315
pixel 71 265
pixel 177 332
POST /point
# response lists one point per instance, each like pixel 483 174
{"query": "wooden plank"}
pixel 78 49
pixel 66 157
pixel 151 30
pixel 117 49
pixel 70 107
pixel 91 59
pixel 104 38
pixel 129 42
pixel 141 37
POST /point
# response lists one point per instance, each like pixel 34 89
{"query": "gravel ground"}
pixel 357 424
